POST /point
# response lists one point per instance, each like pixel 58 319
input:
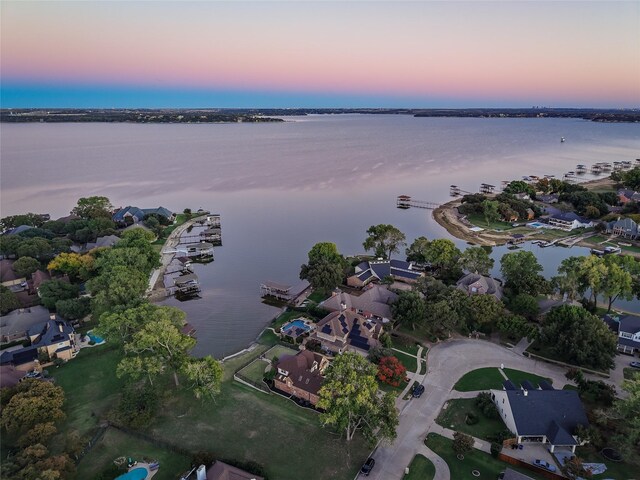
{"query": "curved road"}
pixel 447 362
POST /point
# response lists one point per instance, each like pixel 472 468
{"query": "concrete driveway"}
pixel 447 362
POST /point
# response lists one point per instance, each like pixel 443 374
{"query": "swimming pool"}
pixel 139 473
pixel 296 328
pixel 536 225
pixel 96 339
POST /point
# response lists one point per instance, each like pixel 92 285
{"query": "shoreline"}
pixel 447 217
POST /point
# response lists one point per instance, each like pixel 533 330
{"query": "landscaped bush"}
pixel 486 405
pixel 501 436
pixel 496 448
pixel 471 419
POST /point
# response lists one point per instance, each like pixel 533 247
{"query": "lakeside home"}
pixel 375 302
pixel 344 331
pixel 569 221
pixel 368 271
pixel 627 328
pixel 301 375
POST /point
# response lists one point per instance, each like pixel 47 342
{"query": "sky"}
pixel 419 54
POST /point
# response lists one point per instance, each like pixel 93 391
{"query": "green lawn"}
pixel 480 379
pixel 454 416
pixel 420 468
pixel 518 376
pixel 619 471
pixel 286 317
pixel 406 345
pixel 630 373
pixel 116 444
pixel 90 385
pixel 411 363
pixel 479 220
pixel 180 219
pixel 488 466
pixel 317 297
pixel 279 351
pixel 241 424
pixel 254 371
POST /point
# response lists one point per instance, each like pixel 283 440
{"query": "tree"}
pixel 617 283
pixel 325 268
pixel 39 433
pixel 476 260
pixel 384 240
pixel 417 250
pixel 33 402
pixel 8 300
pixel 78 267
pixel 484 310
pixel 349 397
pixel 51 291
pixel 119 327
pixel 117 289
pixel 628 411
pixel 93 207
pixel 13 221
pixel 391 371
pixel 462 443
pixel 516 326
pixel 74 308
pixel 490 211
pixel 519 186
pixel 39 248
pixel 25 266
pixel 592 271
pixel 409 308
pixel 444 256
pixel 570 281
pixel 525 305
pixel 160 343
pixel 205 375
pixel 521 272
pixel 441 319
pixel 579 337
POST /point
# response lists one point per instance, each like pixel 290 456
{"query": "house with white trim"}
pixel 627 328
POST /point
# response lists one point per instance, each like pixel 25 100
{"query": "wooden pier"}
pixel 486 188
pixel 405 201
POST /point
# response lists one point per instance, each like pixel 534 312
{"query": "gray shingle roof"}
pixel 536 412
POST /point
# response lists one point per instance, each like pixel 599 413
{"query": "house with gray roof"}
pixel 627 328
pixel 545 416
pixel 623 227
pixel 474 284
pixel 569 221
pixel 369 271
pixel 132 214
pixel 344 331
pixel 626 196
pixel 16 324
pixel 375 302
pixel 301 375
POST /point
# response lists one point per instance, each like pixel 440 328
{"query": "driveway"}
pixel 447 362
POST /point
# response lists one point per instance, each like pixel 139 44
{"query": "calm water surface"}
pixel 280 188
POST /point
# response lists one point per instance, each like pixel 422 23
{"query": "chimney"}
pixel 60 327
pixel 526 392
pixel 343 306
pixel 52 316
pixel 201 473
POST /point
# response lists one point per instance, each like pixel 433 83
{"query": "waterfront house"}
pixel 569 221
pixel 474 284
pixel 368 271
pixel 375 302
pixel 523 196
pixel 626 196
pixel 623 227
pixel 223 471
pixel 285 293
pixel 627 328
pixel 550 198
pixel 106 241
pixel 544 415
pixel 53 339
pixel 129 215
pixel 344 331
pixel 301 375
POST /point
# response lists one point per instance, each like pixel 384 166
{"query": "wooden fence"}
pixel 539 471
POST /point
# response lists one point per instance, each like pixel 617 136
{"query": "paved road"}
pixel 447 362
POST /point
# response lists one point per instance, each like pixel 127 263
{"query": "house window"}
pixel 626 335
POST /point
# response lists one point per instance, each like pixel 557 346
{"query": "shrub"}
pixel 471 419
pixel 486 406
pixel 462 443
pixel 496 448
pixel 391 371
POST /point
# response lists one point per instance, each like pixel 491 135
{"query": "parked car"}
pixel 635 364
pixel 417 391
pixel 33 374
pixel 367 467
pixel 542 464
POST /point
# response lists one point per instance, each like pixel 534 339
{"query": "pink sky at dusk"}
pixel 577 53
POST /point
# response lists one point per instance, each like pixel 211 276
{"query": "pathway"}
pixel 413 377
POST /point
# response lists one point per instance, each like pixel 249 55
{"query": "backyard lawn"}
pixel 116 444
pixel 254 371
pixel 615 470
pixel 454 416
pixel 484 463
pixel 420 468
pixel 479 220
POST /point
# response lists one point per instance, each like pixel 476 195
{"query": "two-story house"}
pixel 623 227
pixel 627 327
pixel 375 302
pixel 301 375
pixel 474 284
pixel 367 272
pixel 569 221
pixel 346 330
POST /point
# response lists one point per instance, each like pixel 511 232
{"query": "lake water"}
pixel 280 188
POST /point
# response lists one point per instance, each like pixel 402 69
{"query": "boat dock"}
pixel 405 201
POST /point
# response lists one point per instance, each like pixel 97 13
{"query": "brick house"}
pixel 301 375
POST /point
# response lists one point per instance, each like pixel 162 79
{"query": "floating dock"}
pixel 405 201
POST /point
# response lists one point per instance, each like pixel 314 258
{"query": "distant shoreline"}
pixel 209 115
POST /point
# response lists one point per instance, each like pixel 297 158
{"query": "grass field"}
pixel 518 376
pixel 480 379
pixel 454 416
pixel 619 471
pixel 254 371
pixel 488 466
pixel 420 468
pixel 411 363
pixel 479 220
